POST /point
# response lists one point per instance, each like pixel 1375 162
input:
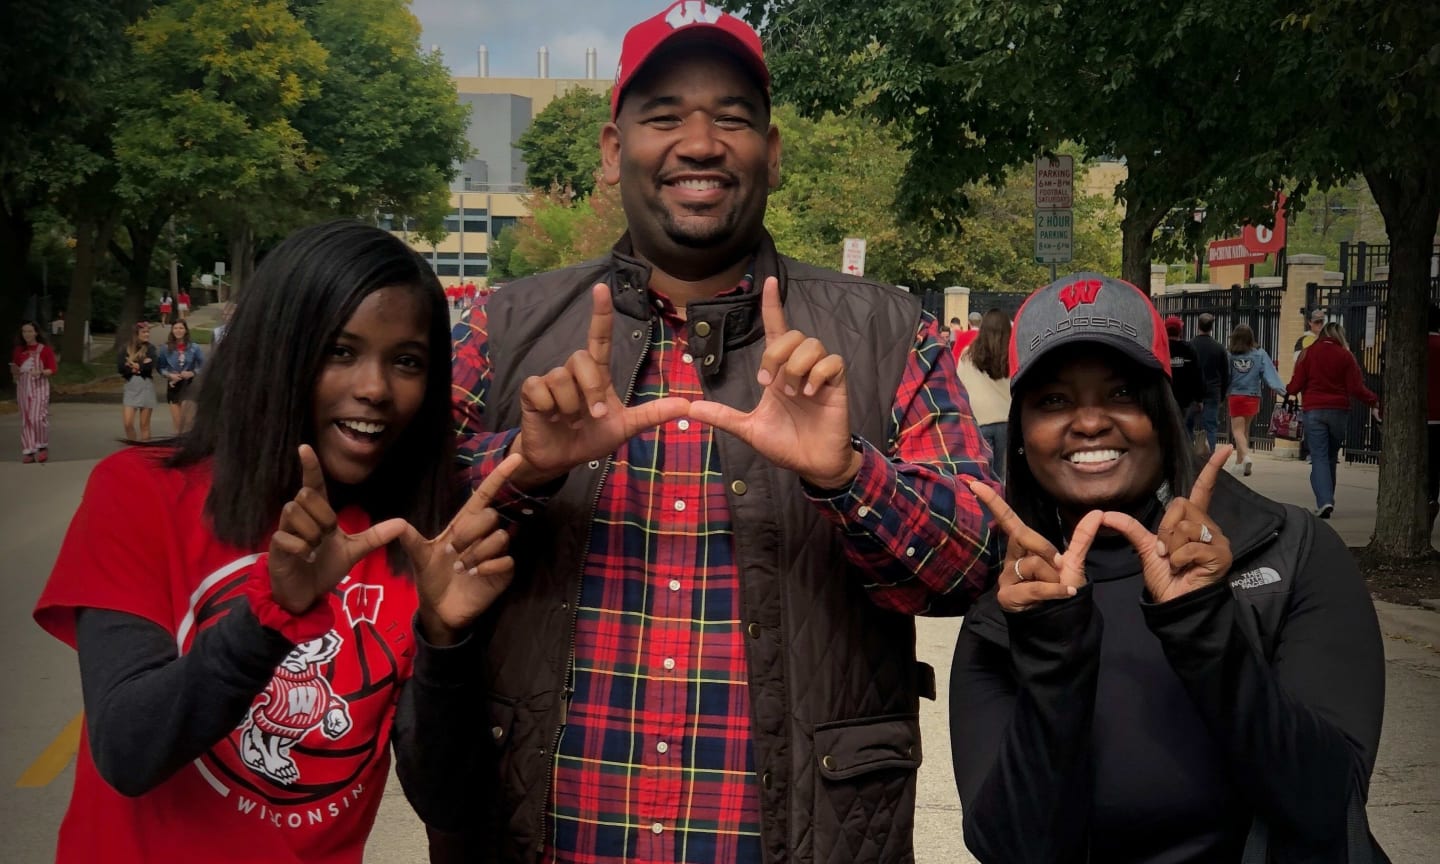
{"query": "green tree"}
pixel 48 61
pixel 975 88
pixel 1377 65
pixel 387 130
pixel 562 145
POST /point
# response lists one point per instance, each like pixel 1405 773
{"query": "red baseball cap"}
pixel 1174 325
pixel 697 20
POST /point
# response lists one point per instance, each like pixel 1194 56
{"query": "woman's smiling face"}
pixel 1088 440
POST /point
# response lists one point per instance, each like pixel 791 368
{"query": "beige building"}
pixel 488 194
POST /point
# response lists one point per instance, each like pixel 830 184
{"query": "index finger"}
pixel 1205 483
pixel 1030 540
pixel 491 485
pixel 602 319
pixel 311 475
pixel 1072 571
pixel 772 312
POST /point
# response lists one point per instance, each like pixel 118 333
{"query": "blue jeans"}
pixel 1209 418
pixel 998 437
pixel 1325 431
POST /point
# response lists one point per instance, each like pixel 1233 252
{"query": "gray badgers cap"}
pixel 1087 307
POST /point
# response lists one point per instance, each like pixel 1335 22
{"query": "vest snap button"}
pixel 709 359
pixel 636 334
pixel 739 487
pixel 828 762
pixel 702 328
pixel 497 732
pixel 754 630
pixel 766 780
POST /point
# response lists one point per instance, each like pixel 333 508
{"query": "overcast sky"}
pixel 514 30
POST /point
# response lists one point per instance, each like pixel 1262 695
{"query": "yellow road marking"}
pixel 50 763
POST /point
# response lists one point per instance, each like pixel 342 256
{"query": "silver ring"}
pixel 1205 535
pixel 1018 574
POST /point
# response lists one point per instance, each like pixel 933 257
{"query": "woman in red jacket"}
pixel 1327 378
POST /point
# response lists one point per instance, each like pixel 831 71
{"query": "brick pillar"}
pixel 957 304
pixel 1157 279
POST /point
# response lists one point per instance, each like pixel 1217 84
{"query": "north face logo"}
pixel 1078 292
pixel 692 12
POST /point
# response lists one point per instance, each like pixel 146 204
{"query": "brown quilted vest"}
pixel 834 683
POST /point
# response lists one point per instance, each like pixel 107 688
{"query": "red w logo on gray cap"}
pixel 1078 292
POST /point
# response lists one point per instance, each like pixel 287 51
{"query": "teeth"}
pixel 366 428
pixel 699 185
pixel 1086 457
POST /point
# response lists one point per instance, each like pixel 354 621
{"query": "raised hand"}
pixel 802 421
pixel 308 554
pixel 1188 551
pixel 572 413
pixel 1035 571
pixel 462 570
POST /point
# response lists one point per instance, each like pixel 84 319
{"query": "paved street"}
pixel 37 732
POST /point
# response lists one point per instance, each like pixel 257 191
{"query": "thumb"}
pixel 357 546
pixel 721 416
pixel 413 542
pixel 648 415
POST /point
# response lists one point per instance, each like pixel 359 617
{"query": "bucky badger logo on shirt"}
pixel 297 700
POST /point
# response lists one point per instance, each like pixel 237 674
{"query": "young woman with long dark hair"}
pixel 242 645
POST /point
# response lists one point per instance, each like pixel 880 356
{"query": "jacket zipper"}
pixel 575 606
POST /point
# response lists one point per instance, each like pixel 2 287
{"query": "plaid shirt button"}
pixel 669 663
pixel 662 748
pixel 657 828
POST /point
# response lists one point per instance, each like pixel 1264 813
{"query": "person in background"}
pixel 1172 669
pixel 32 362
pixel 179 362
pixel 1185 379
pixel 1251 371
pixel 708 651
pixel 470 292
pixel 57 327
pixel 1327 377
pixel 183 302
pixel 167 307
pixel 1214 373
pixel 136 364
pixel 243 621
pixel 985 372
pixel 216 335
pixel 961 339
pixel 1314 323
pixel 944 335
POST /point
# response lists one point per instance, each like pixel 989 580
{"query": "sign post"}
pixel 1054 218
pixel 852 262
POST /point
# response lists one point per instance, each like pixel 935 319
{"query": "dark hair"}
pixel 990 352
pixel 1242 339
pixel 134 348
pixel 39 335
pixel 1036 507
pixel 1206 322
pixel 256 401
pixel 171 340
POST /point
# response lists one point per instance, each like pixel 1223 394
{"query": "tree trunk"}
pixel 88 248
pixel 242 261
pixel 1137 233
pixel 1410 203
pixel 144 238
pixel 16 234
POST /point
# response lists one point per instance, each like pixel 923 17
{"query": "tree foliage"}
pixel 561 147
pixel 975 88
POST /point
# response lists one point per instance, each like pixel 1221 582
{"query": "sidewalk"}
pixel 1288 481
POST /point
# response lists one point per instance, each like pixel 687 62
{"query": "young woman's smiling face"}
pixel 1088 440
pixel 372 383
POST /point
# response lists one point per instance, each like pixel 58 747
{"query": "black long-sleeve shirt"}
pixel 1115 730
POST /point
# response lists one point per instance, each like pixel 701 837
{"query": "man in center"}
pixel 744 476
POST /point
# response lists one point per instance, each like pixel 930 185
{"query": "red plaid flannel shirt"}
pixel 656 762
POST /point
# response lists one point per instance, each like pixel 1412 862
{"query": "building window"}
pixel 499 223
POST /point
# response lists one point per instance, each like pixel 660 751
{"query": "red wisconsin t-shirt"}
pixel 138 544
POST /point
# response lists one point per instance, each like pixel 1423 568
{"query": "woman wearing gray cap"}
pixel 1170 668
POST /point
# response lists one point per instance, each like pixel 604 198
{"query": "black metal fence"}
pixel 933 301
pixel 1359 260
pixel 1255 305
pixel 1360 309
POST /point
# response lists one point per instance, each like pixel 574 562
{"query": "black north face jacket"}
pixel 1279 674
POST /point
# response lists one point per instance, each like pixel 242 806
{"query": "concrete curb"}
pixel 1409 622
